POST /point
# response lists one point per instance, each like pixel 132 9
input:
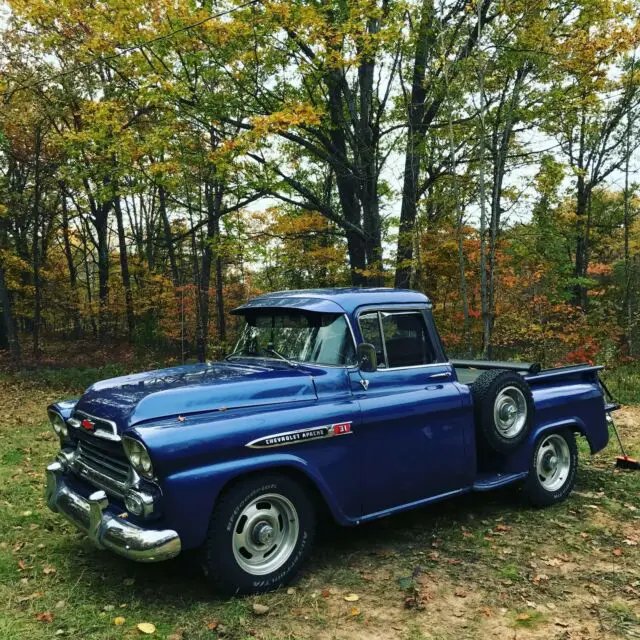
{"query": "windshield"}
pixel 320 338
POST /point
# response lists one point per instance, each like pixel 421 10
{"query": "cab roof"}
pixel 343 300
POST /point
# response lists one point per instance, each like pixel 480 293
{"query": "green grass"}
pixel 624 382
pixel 473 564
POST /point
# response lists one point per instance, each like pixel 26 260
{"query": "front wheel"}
pixel 260 533
pixel 553 469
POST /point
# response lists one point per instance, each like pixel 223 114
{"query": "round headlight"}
pixel 138 456
pixel 58 424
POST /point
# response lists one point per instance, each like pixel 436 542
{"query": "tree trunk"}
pixel 124 268
pixel 220 317
pixel 213 196
pixel 71 266
pixel 168 238
pixel 414 148
pixel 87 275
pixel 486 328
pixel 35 245
pixel 102 232
pixel 9 323
pixel 580 271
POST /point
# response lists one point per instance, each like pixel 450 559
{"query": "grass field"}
pixel 483 566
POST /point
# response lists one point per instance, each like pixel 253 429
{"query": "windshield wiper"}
pixel 281 357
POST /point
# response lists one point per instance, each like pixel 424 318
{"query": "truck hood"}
pixel 130 400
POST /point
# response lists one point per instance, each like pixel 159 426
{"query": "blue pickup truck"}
pixel 340 401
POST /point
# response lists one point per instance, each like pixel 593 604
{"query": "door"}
pixel 413 424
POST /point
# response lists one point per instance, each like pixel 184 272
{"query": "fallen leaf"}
pixel 540 578
pixel 433 555
pixel 108 607
pixel 325 593
pixel 291 591
pixel 631 543
pixel 502 527
pixel 460 592
pixel 553 562
pixel 45 616
pixel 352 597
pixel 355 611
pixel 523 616
pixel 213 625
pixel 48 570
pixel 60 604
pixel 119 620
pixel 146 627
pixel 33 596
pixel 617 551
pixel 21 565
pixel 260 609
pixel 486 612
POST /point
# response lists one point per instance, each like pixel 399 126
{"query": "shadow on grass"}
pixel 179 582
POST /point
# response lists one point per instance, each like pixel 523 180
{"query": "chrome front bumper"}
pixel 105 530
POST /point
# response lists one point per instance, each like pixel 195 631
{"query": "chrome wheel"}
pixel 553 462
pixel 510 412
pixel 265 534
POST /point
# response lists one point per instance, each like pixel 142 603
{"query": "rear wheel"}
pixel 260 533
pixel 553 470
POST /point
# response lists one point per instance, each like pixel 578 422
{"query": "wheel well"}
pixel 322 508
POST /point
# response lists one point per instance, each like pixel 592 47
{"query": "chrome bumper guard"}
pixel 107 531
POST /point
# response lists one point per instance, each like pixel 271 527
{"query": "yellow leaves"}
pixel 119 620
pixel 146 627
pixel 295 115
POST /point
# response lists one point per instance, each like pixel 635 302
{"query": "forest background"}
pixel 163 161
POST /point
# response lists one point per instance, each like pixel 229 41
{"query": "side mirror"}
pixel 367 357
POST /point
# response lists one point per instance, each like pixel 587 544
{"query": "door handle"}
pixel 444 374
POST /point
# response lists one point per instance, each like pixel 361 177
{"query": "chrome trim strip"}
pixel 418 366
pixel 97 477
pixel 105 530
pixel 297 436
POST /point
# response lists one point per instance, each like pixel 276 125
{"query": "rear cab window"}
pixel 400 338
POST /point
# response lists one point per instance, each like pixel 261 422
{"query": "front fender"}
pixel 190 495
pixel 64 407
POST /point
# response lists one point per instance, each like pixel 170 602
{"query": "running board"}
pixel 487 481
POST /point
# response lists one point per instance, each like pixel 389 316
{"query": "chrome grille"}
pixel 103 465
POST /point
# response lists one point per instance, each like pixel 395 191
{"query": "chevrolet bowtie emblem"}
pixel 87 424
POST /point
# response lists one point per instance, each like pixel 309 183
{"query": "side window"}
pixel 406 340
pixel 370 328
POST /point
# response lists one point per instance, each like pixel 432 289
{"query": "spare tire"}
pixel 503 407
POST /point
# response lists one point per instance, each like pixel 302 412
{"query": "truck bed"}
pixel 468 371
